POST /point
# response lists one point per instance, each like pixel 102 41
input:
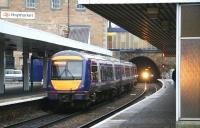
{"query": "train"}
pixel 82 77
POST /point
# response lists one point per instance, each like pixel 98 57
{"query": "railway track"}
pixel 49 119
pixel 105 116
pixel 97 120
pixel 53 119
pixel 42 121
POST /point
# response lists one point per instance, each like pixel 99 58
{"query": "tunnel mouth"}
pixel 145 64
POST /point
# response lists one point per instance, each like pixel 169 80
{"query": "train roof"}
pixel 93 57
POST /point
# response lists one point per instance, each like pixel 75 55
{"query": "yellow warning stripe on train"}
pixel 65 85
pixel 67 58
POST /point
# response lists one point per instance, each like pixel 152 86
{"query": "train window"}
pixel 103 73
pixel 118 73
pixel 123 71
pixel 109 73
pixel 94 73
pixel 67 70
pixel 75 68
pixel 135 71
pixel 127 71
pixel 106 72
pixel 131 69
pixel 130 74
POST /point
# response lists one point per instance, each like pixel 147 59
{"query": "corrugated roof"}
pixel 155 23
pixel 134 1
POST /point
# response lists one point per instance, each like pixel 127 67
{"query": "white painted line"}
pixel 22 100
pixel 109 119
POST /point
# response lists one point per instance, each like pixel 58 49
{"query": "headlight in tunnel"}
pixel 145 75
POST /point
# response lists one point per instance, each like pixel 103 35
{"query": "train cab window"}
pixel 67 70
pixel 94 73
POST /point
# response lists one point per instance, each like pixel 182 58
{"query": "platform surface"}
pixel 14 94
pixel 155 111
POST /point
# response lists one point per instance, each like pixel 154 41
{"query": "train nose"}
pixel 66 85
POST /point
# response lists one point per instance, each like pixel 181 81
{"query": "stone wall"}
pixel 56 20
pixel 97 24
pixel 169 62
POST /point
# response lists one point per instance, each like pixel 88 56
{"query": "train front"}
pixel 68 78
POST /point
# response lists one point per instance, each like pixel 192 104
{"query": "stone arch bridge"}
pixel 154 59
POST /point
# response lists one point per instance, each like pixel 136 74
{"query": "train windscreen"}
pixel 67 70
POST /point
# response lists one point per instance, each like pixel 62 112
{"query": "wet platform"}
pixel 14 93
pixel 155 111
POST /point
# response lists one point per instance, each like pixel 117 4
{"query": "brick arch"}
pixel 156 57
pixel 143 63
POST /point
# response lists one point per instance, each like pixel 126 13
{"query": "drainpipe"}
pixel 68 19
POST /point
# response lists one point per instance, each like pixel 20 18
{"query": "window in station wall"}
pixel 80 33
pixel 190 62
pixel 30 3
pixel 79 6
pixel 55 4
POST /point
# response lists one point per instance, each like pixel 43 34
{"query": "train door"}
pixel 94 72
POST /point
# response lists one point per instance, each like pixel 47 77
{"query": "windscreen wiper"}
pixel 67 70
pixel 70 73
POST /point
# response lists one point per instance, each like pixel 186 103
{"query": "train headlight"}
pixel 81 86
pixel 145 75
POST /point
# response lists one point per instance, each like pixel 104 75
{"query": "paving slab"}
pixel 155 111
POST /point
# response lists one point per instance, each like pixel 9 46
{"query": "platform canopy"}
pixel 16 36
pixel 151 20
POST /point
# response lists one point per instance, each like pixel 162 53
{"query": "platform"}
pixel 14 94
pixel 155 111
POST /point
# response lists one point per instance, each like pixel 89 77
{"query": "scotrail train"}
pixel 78 77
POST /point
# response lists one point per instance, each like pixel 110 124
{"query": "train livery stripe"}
pixel 67 58
pixel 66 84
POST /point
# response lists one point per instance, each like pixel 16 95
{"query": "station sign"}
pixel 17 15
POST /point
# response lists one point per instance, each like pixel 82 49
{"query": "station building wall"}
pixel 59 20
pixel 126 40
pixel 55 20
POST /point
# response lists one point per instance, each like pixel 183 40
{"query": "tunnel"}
pixel 143 64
